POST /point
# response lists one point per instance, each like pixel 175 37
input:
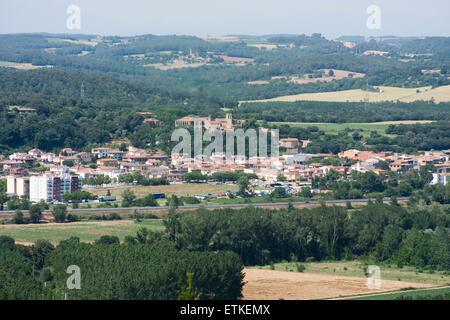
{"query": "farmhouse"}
pixel 209 123
pixel 291 144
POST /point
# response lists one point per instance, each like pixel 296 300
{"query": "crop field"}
pixel 175 64
pixel 263 284
pixel 355 268
pixel 21 66
pixel 440 94
pixel 380 127
pixel 186 189
pixel 266 46
pixel 79 41
pixel 338 75
pixel 87 231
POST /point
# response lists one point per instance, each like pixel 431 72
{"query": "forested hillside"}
pixel 87 89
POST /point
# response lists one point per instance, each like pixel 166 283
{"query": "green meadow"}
pixel 87 231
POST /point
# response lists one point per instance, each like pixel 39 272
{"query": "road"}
pixel 212 206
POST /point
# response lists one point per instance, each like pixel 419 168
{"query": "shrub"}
pixel 300 267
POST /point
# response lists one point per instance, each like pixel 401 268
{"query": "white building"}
pixel 19 186
pixel 101 152
pixel 49 187
pixel 441 178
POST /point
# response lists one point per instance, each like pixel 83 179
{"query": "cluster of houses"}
pixel 66 171
pixel 303 167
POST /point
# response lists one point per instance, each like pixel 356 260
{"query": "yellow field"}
pixel 440 94
pixel 86 42
pixel 187 189
pixel 21 66
pixel 263 45
pixel 176 64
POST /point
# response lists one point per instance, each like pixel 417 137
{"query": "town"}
pixel 256 150
pixel 69 170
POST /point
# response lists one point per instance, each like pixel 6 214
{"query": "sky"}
pixel 331 18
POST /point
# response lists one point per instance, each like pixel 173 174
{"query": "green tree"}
pixel 59 213
pixel 18 217
pixel 243 183
pixel 188 292
pixel 107 240
pixel 35 213
pixel 280 192
pixel 68 163
pixel 148 201
pixel 306 192
pixel 195 176
pixel 128 198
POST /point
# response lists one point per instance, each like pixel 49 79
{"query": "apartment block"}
pixel 19 186
pixel 49 187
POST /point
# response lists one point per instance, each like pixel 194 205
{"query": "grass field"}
pixel 414 294
pixel 357 269
pixel 380 127
pixel 440 94
pixel 187 189
pixel 86 230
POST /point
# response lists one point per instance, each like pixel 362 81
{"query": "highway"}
pixel 211 206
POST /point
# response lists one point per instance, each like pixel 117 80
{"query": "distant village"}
pixel 64 172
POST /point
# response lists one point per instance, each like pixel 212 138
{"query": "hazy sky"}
pixel 332 18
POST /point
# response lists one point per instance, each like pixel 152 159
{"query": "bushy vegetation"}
pixel 113 271
pixel 417 237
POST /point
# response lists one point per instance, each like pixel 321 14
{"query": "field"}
pixel 274 284
pixel 188 189
pixel 21 66
pixel 338 75
pixel 357 269
pixel 380 127
pixel 266 46
pixel 440 94
pixel 175 64
pixel 87 231
pixel 414 294
pixel 322 280
pixel 79 41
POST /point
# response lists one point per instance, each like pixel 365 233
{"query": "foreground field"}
pixel 356 268
pixel 380 127
pixel 413 294
pixel 274 284
pixel 187 189
pixel 440 94
pixel 87 231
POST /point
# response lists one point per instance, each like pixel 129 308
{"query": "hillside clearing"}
pixel 367 127
pixel 440 94
pixel 21 66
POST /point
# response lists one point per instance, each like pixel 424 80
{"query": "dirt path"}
pixel 274 284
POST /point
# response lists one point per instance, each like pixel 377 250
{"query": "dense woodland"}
pixel 227 83
pixel 134 270
pixel 417 237
pixel 214 245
